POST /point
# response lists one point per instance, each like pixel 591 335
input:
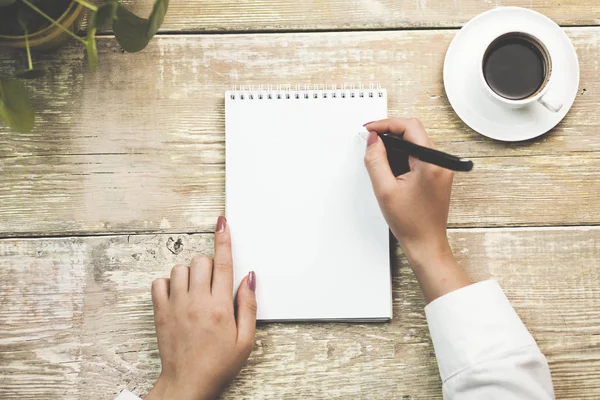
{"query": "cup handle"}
pixel 551 101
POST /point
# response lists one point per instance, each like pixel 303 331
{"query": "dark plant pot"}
pixel 51 36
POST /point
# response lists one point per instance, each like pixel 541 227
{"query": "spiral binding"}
pixel 298 92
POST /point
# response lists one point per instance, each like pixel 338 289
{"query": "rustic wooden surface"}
pixel 77 319
pixel 155 162
pixel 124 160
pixel 277 15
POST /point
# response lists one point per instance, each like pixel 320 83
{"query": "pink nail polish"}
pixel 221 223
pixel 372 138
pixel 252 281
pixel 370 122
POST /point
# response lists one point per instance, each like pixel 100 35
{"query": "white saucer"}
pixel 463 85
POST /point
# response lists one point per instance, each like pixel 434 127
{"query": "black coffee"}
pixel 514 67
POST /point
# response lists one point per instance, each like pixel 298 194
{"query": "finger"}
pixel 246 312
pixel 160 292
pixel 410 129
pixel 222 281
pixel 377 164
pixel 180 276
pixel 200 274
pixel 160 300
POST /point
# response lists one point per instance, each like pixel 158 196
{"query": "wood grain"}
pixel 139 146
pixel 76 319
pixel 276 15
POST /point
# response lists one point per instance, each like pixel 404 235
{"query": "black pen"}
pixel 426 154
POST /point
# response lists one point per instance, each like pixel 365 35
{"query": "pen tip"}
pixel 364 135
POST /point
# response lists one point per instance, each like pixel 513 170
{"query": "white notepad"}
pixel 300 205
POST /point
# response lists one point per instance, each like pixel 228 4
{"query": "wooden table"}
pixel 123 178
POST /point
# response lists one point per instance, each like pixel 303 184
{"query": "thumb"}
pixel 246 312
pixel 378 166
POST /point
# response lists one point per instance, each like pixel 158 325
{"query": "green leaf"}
pixel 15 108
pixel 130 30
pixel 33 73
pixel 92 51
pixel 6 3
pixel 134 33
pixel 157 17
pixel 105 14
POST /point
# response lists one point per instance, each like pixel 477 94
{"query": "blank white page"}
pixel 300 205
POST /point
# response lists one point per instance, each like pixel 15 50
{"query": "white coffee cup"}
pixel 544 94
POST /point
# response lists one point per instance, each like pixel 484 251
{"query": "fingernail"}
pixel 221 223
pixel 370 122
pixel 252 281
pixel 372 138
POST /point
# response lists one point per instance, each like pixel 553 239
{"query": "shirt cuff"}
pixel 473 324
pixel 126 395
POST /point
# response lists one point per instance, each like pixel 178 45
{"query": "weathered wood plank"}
pixel 76 319
pixel 140 145
pixel 273 15
pixel 103 196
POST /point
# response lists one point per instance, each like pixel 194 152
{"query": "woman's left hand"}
pixel 203 339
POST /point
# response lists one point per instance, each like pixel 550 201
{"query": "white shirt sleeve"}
pixel 125 395
pixel 483 349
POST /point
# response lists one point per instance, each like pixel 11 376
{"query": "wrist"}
pixel 162 389
pixel 428 254
pixel 167 389
pixel 436 269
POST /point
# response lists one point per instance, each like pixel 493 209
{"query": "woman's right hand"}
pixel 415 205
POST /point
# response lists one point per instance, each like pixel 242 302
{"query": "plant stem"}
pixel 28 49
pixel 87 5
pixel 55 23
